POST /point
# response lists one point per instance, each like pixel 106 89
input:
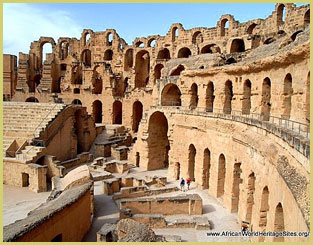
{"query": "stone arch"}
pixel 263 211
pixel 266 99
pixel 246 102
pixel 157 71
pixel 64 49
pixel 171 95
pixel 142 68
pixel 164 54
pixel 228 97
pixel 175 33
pixel 152 43
pixel 279 224
pixel 128 59
pixel 76 91
pixel 177 70
pixel 32 99
pixel 235 189
pixel 210 48
pixel 250 197
pixel 109 38
pixel 287 95
pixel 307 18
pixel 221 173
pixel 97 83
pixel 197 37
pixel 76 75
pixel 206 169
pixel 307 98
pixel 237 46
pixel 139 44
pixel 251 28
pixel 86 36
pixel 45 48
pixel 224 23
pixel 76 102
pixel 137 115
pixel 117 112
pixel 191 162
pixel 230 60
pixel 158 143
pixel 86 57
pixel 209 97
pixel 194 98
pixel 108 55
pixel 184 53
pixel 294 35
pixel 281 14
pixel 97 111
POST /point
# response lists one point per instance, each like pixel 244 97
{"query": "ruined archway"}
pixel 45 50
pixel 128 59
pixel 235 189
pixel 251 28
pixel 228 97
pixel 307 18
pixel 164 54
pixel 86 57
pixel 209 97
pixel 287 95
pixel 117 112
pixel 250 197
pixel 158 143
pixel 281 14
pixel 221 173
pixel 97 83
pixel 77 76
pixel 157 71
pixel 246 101
pixel 279 224
pixel 197 37
pixel 108 55
pixel 194 98
pixel 237 46
pixel 137 115
pixel 171 95
pixel 184 53
pixel 142 68
pixel 210 48
pixel 177 71
pixel 32 99
pixel 206 169
pixel 294 35
pixel 224 27
pixel 97 111
pixel 175 33
pixel 266 99
pixel 263 212
pixel 191 162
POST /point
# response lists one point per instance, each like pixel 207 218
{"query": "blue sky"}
pixel 24 23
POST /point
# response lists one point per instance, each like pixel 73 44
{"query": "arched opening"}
pixel 77 77
pixel 237 46
pixel 128 59
pixel 177 71
pixel 307 98
pixel 206 169
pixel 25 180
pixel 246 102
pixel 281 15
pixel 194 98
pixel 266 99
pixel 137 115
pixel 235 190
pixel 224 27
pixel 294 35
pixel 307 18
pixel 221 173
pixel 279 224
pixel 97 111
pixel 171 95
pixel 97 82
pixel 57 238
pixel 164 54
pixel 251 28
pixel 250 197
pixel 86 38
pixel 108 55
pixel 76 102
pixel 152 43
pixel 177 170
pixel 117 112
pixel 157 71
pixel 209 97
pixel 269 40
pixel 46 49
pixel 210 48
pixel 158 144
pixel 230 60
pixel 287 94
pixel 142 69
pixel 64 50
pixel 86 57
pixel 175 34
pixel 139 44
pixel 184 53
pixel 263 212
pixel 191 162
pixel 32 99
pixel 109 39
pixel 228 97
pixel 197 37
pixel 76 91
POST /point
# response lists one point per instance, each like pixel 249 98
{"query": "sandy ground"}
pixel 18 202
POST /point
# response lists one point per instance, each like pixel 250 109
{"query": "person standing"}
pixel 188 182
pixel 182 184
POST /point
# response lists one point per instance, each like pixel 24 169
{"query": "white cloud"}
pixel 24 23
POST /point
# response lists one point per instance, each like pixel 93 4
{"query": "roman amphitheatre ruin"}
pixel 100 132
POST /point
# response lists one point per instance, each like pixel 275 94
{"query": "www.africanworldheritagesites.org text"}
pixel 259 234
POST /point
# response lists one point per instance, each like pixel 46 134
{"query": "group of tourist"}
pixel 182 183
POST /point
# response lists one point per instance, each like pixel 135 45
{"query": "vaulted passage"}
pixel 128 59
pixel 177 71
pixel 164 54
pixel 86 57
pixel 142 68
pixel 97 111
pixel 237 46
pixel 263 212
pixel 221 175
pixel 206 168
pixel 287 94
pixel 193 96
pixel 279 224
pixel 108 55
pixel 158 144
pixel 250 197
pixel 184 53
pixel 191 162
pixel 157 71
pixel 209 99
pixel 117 112
pixel 228 97
pixel 137 115
pixel 235 190
pixel 266 99
pixel 246 102
pixel 171 95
